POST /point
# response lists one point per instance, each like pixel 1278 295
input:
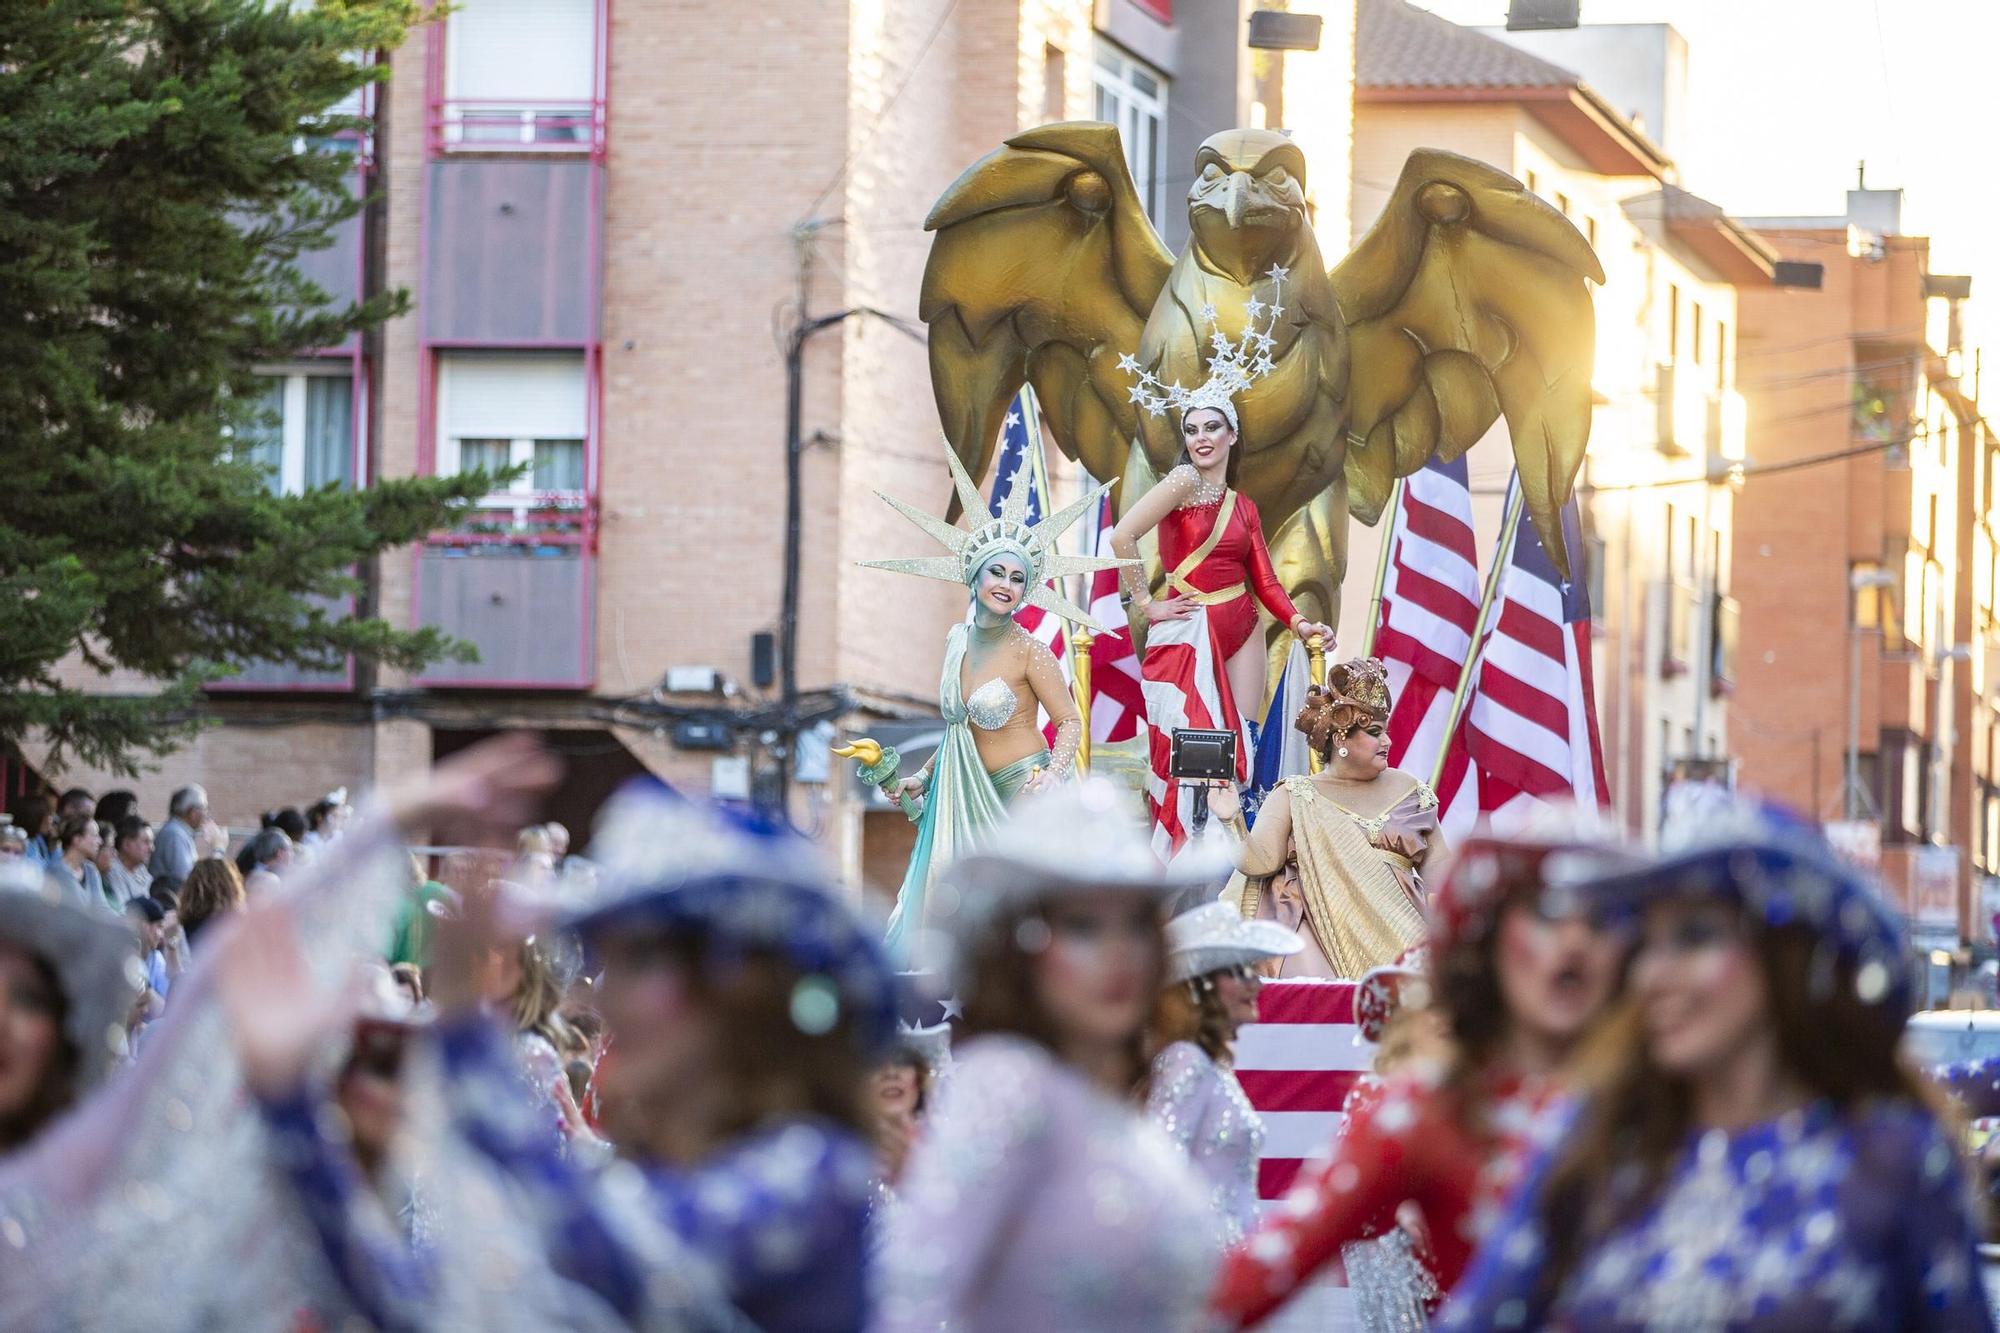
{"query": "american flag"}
pixel 1297 1063
pixel 1532 724
pixel 1021 464
pixel 1117 709
pixel 1430 607
pixel 1528 732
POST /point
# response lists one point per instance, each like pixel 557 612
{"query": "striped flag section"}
pixel 1532 725
pixel 1430 608
pixel 1297 1063
pixel 1181 692
pixel 1117 704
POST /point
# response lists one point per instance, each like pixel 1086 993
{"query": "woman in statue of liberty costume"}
pixel 996 676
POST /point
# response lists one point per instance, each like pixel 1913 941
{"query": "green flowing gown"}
pixel 961 804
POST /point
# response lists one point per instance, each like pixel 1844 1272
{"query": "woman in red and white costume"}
pixel 1204 663
pixel 1518 974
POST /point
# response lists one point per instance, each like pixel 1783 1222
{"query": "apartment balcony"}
pixel 519 585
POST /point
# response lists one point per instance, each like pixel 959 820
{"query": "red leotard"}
pixel 1240 557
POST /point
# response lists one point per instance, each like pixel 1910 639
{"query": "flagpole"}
pixel 1382 568
pixel 1510 526
pixel 1079 638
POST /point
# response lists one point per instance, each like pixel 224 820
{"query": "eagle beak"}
pixel 1237 199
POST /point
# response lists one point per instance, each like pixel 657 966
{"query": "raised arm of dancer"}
pixel 1385 1154
pixel 1172 491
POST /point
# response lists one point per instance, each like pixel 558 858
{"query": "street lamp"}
pixel 1858 581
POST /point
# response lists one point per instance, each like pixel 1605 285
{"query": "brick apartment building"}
pixel 1867 579
pixel 610 219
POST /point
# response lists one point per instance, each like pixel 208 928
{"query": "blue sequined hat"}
pixel 745 884
pixel 1780 869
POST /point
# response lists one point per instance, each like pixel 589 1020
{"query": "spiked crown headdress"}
pixel 970 547
pixel 1234 364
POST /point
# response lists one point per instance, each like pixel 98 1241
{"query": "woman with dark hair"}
pixel 1518 974
pixel 747 1004
pixel 1038 1197
pixel 1364 836
pixel 1205 651
pixel 65 993
pixel 117 806
pixel 1211 991
pixel 1750 1152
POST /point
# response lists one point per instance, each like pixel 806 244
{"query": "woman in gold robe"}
pixel 1342 855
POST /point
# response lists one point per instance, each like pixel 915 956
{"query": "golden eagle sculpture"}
pixel 1467 300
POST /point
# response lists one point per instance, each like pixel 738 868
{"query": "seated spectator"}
pixel 131 848
pixel 324 818
pixel 37 817
pixel 176 846
pixel 211 889
pixel 269 855
pixel 162 950
pixel 74 864
pixel 13 843
pixel 78 802
pixel 114 806
pixel 107 856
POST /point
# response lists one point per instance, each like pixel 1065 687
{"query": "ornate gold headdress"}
pixel 1356 693
pixel 1011 531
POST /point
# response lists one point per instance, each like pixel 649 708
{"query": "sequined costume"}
pixel 1406 1140
pixel 969 781
pixel 1357 899
pixel 1202 1107
pixel 962 799
pixel 1813 1222
pixel 776 1218
pixel 1212 549
pixel 1036 1201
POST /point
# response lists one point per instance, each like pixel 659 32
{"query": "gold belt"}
pixel 1396 858
pixel 1216 598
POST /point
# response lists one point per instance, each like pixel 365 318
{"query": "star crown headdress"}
pixel 1233 364
pixel 968 546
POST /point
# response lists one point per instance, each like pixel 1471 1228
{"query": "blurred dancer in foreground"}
pixel 1038 1196
pixel 1751 1153
pixel 1211 991
pixel 1518 975
pixel 748 1005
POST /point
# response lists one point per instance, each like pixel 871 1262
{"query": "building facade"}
pixel 1658 486
pixel 1865 563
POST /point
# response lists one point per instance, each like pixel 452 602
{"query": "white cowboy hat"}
pixel 1087 835
pixel 1217 935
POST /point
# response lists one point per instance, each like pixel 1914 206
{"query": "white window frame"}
pixel 547 125
pixel 520 442
pixel 1130 108
pixel 292 420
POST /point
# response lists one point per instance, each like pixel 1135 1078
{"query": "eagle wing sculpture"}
pixel 1467 300
pixel 1044 270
